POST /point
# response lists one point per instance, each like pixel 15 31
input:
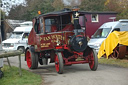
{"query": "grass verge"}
pixel 11 77
pixel 116 62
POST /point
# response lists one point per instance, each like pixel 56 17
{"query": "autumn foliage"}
pixel 33 6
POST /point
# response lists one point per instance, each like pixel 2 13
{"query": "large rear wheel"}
pixel 59 62
pixel 32 59
pixel 93 60
pixel 119 51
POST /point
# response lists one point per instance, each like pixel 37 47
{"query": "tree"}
pixel 2 18
pixel 31 9
pixel 112 5
pixel 86 5
pixel 120 6
pixel 17 12
pixel 58 5
pixel 33 6
pixel 8 4
pixel 92 5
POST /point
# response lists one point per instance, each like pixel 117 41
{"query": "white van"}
pixel 101 34
pixel 27 23
pixel 18 40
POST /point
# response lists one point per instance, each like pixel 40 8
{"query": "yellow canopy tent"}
pixel 112 41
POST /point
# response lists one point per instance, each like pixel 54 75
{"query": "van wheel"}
pixel 21 49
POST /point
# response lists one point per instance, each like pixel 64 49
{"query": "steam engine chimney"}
pixel 76 18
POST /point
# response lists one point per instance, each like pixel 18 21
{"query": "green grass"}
pixel 115 62
pixel 11 77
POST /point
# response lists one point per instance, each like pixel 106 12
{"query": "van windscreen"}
pixel 101 33
pixel 16 35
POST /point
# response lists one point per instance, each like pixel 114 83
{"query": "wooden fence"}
pixel 6 54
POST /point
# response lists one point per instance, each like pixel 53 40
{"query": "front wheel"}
pixel 93 60
pixel 32 59
pixel 59 62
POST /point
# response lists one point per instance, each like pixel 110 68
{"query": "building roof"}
pixel 14 23
pixel 101 12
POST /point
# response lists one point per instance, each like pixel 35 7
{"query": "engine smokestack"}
pixel 76 17
pixel 75 9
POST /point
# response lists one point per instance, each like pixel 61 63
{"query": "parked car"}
pixel 18 40
pixel 101 34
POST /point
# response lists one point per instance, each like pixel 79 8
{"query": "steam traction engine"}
pixel 58 36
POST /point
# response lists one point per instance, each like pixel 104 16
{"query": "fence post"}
pixel 8 62
pixel 20 70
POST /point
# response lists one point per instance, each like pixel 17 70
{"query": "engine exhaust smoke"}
pixel 71 2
